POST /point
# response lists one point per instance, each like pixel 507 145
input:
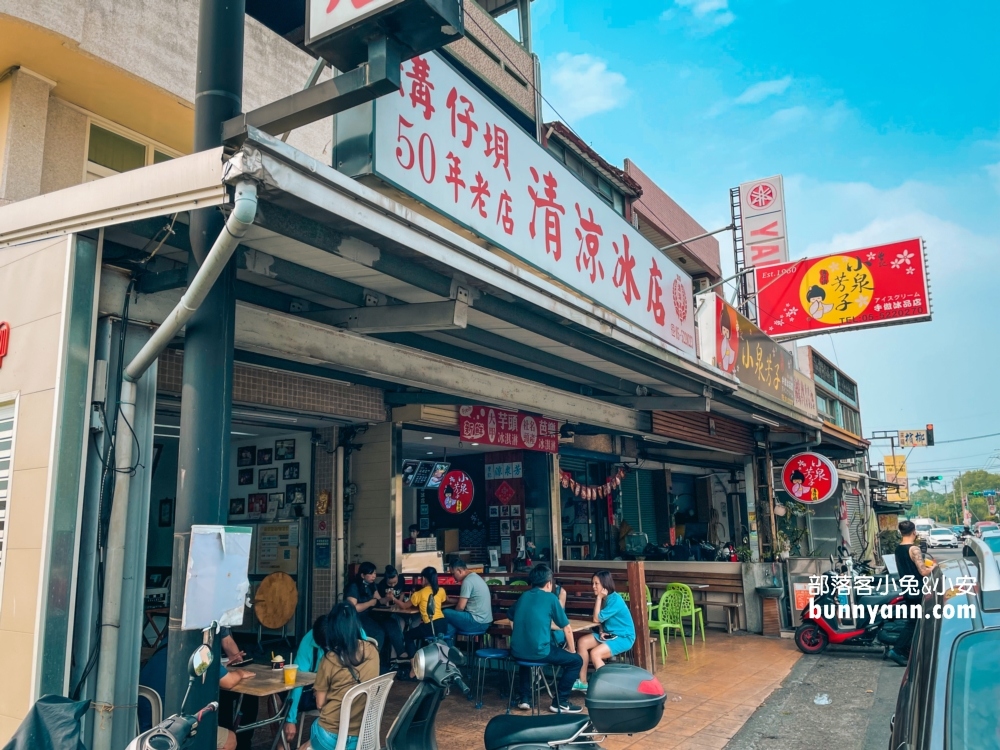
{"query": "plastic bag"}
pixel 52 723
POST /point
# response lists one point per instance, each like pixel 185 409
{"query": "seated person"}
pixel 410 543
pixel 429 601
pixel 557 632
pixel 474 610
pixel 533 615
pixel 390 588
pixel 617 629
pixel 350 661
pixel 363 595
pixel 308 655
pixel 228 679
pixel 229 648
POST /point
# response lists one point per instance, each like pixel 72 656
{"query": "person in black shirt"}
pixel 364 595
pixel 909 562
pixel 390 587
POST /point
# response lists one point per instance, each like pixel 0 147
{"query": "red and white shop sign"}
pixel 809 477
pixel 328 16
pixel 449 147
pixel 456 492
pixel 762 213
pixel 4 340
pixel 509 429
pixel 873 286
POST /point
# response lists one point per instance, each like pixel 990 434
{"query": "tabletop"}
pixel 395 609
pixel 267 681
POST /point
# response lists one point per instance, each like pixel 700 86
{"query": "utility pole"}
pixel 203 453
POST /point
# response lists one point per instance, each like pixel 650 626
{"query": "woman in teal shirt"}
pixel 617 631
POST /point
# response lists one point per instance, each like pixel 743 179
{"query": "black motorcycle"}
pixel 622 699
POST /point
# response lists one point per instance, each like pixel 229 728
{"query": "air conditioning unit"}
pixel 701 284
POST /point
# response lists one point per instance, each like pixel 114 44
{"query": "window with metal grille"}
pixel 852 419
pixel 824 370
pixel 847 387
pixel 6 449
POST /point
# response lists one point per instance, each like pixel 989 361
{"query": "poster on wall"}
pixel 874 286
pixel 409 471
pixel 438 472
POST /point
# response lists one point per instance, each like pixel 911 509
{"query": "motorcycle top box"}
pixel 622 699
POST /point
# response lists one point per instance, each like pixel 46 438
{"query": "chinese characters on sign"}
pixel 447 145
pixel 912 438
pixel 509 429
pixel 328 16
pixel 809 477
pixel 4 340
pixel 456 492
pixel 895 473
pixel 875 286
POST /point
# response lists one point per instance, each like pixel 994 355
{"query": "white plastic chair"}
pixel 376 692
pixel 155 706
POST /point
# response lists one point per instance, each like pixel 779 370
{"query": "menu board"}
pixel 278 548
pixel 422 474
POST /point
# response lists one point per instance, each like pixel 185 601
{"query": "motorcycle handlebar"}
pixel 213 706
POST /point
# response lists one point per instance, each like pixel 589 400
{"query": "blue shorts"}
pixel 618 645
pixel 324 740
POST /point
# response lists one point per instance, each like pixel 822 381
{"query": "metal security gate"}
pixel 639 504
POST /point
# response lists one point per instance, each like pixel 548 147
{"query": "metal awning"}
pixel 324 242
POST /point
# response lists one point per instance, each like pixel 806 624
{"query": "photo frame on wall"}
pixel 284 450
pixel 515 511
pixel 505 527
pixel 290 471
pixel 494 511
pixel 295 494
pixel 246 455
pixel 257 504
pixel 245 476
pixel 267 479
pixel 505 511
pixel 515 525
pixel 237 508
pixel 265 457
pixel 166 515
pixel 278 497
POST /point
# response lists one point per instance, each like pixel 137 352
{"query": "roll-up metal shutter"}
pixel 638 504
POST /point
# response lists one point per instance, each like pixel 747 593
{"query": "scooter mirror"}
pixel 456 656
pixel 200 661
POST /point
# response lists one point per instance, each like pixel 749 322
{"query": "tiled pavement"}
pixel 709 697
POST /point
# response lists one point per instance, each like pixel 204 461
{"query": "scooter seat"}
pixel 503 731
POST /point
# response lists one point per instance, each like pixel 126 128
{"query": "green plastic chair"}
pixel 666 616
pixel 519 584
pixel 494 582
pixel 687 607
pixel 649 597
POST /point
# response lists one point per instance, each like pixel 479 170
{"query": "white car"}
pixel 941 537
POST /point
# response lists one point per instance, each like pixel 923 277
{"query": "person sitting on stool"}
pixel 474 610
pixel 532 616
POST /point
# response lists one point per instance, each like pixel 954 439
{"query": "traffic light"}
pixel 930 435
pixel 931 479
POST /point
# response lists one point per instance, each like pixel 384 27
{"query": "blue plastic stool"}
pixel 483 658
pixel 471 636
pixel 537 675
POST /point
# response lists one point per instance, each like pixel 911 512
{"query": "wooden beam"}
pixel 642 651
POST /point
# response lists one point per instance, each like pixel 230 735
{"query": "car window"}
pixel 974 692
pixel 993 542
pixel 940 532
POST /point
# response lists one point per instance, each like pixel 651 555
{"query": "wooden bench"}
pixel 722 582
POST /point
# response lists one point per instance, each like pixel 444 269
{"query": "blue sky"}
pixel 883 117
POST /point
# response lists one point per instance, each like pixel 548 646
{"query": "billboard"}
pixel 448 146
pixel 762 212
pixel 912 438
pixel 895 472
pixel 873 286
pixel 735 345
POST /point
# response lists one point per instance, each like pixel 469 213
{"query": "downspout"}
pixel 239 221
pixel 338 525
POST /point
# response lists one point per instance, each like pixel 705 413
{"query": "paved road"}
pixel 843 698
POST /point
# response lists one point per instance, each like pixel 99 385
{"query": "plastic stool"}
pixel 537 675
pixel 483 658
pixel 471 636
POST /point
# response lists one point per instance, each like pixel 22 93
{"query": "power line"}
pixel 966 439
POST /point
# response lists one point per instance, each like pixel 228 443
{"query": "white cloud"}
pixel 716 13
pixel 993 170
pixel 761 91
pixel 790 116
pixel 582 85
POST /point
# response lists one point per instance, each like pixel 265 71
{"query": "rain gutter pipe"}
pixel 240 220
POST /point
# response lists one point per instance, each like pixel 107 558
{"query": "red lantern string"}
pixel 593 492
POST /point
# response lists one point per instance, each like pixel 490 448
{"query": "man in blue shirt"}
pixel 533 616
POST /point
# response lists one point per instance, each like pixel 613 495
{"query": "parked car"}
pixel 959 530
pixel 992 540
pixel 942 537
pixel 950 693
pixel 983 526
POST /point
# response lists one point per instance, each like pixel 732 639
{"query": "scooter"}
pixel 176 732
pixel 621 699
pixel 822 623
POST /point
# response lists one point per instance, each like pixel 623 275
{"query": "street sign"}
pixel 913 438
pixel 762 211
pixel 874 286
pixel 895 473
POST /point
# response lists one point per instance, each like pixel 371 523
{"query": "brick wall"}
pixel 263 386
